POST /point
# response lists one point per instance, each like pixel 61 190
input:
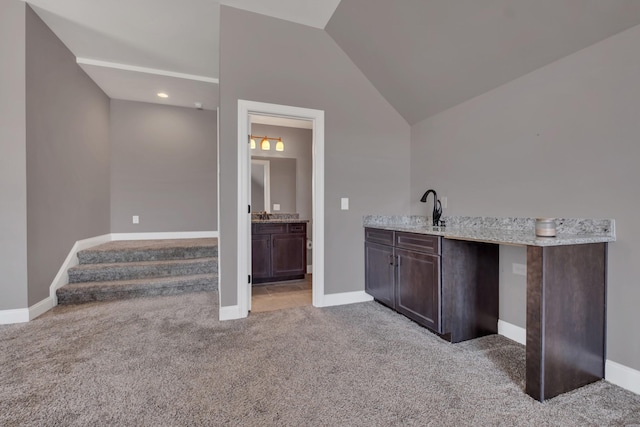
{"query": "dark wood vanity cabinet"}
pixel 418 287
pixel 380 273
pixel 402 271
pixel 260 256
pixel 448 286
pixel 278 252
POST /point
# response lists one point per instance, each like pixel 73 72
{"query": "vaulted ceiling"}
pixel 424 56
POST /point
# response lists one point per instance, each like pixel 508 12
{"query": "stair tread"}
pixel 137 245
pixel 148 250
pixel 155 281
pixel 105 266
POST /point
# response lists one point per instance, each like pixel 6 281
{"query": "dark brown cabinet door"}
pixel 379 273
pixel 289 254
pixel 260 256
pixel 418 287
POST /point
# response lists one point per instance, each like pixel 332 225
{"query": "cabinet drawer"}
pixel 266 228
pixel 374 235
pixel 418 242
pixel 298 228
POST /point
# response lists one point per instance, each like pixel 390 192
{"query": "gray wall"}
pixel 67 118
pixel 561 142
pixel 513 287
pixel 13 190
pixel 163 168
pixel 366 140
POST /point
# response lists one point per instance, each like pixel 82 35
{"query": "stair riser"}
pixel 112 295
pixel 125 272
pixel 107 257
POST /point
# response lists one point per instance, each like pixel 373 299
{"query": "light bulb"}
pixel 265 145
pixel 253 144
pixel 279 145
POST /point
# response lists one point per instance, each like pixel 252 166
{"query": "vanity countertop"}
pixel 508 231
pixel 277 218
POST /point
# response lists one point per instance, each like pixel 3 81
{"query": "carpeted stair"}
pixel 129 269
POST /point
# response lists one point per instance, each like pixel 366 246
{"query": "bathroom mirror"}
pixel 273 182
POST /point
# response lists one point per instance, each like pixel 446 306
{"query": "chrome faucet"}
pixel 437 207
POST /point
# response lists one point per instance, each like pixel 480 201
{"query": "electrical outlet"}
pixel 276 207
pixel 443 202
pixel 519 269
pixel 136 219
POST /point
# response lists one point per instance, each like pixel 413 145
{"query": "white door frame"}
pixel 244 181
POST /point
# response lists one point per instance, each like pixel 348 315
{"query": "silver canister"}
pixel 545 227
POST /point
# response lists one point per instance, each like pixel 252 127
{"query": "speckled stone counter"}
pixel 289 218
pixel 508 231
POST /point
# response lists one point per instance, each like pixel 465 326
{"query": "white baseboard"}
pixel 513 332
pixel 231 312
pixel 18 315
pixel 40 308
pixel 329 300
pixel 22 315
pixel 164 235
pixel 622 376
pixel 62 277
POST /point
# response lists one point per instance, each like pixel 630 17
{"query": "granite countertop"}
pixel 508 231
pixel 278 218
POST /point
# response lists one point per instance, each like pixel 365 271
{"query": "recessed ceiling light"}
pixel 162 95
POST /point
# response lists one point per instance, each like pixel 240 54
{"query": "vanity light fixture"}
pixel 162 95
pixel 265 143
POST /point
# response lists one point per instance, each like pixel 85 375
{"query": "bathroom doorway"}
pixel 281 190
pixel 249 113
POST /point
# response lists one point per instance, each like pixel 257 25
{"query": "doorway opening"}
pixel 282 217
pixel 264 114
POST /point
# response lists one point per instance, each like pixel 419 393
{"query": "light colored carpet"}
pixel 168 361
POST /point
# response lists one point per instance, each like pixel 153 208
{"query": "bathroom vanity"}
pixel 446 279
pixel 278 250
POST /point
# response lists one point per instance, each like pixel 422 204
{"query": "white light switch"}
pixel 276 207
pixel 443 202
pixel 136 219
pixel 344 203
